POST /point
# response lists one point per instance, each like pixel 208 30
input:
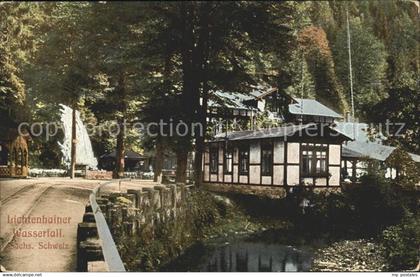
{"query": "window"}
pixel 267 159
pixel 228 162
pixel 243 160
pixel 314 159
pixel 214 156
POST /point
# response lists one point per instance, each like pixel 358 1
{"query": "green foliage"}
pixel 17 45
pixel 401 108
pixel 204 216
pixel 368 64
pixel 407 169
pixel 377 203
pixel 401 244
pixel 60 71
pixel 156 245
pixel 360 210
pixel 264 120
pixel 114 60
pixel 316 50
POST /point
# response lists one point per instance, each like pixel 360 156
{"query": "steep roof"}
pixel 359 131
pixel 232 100
pixel 364 144
pixel 130 155
pixel 311 107
pixel 259 92
pixel 282 131
pixel 369 150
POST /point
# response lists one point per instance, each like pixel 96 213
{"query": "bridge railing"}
pixel 109 249
pixel 135 212
pixel 94 238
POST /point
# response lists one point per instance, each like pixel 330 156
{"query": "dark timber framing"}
pixel 286 156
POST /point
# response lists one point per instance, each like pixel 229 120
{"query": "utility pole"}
pixel 350 73
pixel 302 88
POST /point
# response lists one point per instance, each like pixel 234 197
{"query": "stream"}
pixel 242 255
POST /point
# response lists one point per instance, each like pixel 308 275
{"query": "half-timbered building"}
pixel 282 157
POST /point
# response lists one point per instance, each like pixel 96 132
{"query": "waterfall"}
pixel 84 153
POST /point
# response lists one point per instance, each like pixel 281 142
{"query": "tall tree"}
pixel 368 65
pixel 215 43
pixel 316 51
pixel 402 111
pixel 118 67
pixel 61 71
pixel 17 45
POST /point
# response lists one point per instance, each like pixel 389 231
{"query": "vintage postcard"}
pixel 209 136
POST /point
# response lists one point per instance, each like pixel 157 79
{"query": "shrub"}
pixel 376 203
pixel 407 169
pixel 365 209
pixel 401 244
pixel 156 244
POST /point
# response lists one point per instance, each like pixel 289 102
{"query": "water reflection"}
pixel 243 256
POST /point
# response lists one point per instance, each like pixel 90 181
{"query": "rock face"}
pixel 358 255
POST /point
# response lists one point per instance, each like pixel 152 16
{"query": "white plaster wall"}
pixel 278 175
pixel 335 154
pixel 254 152
pixel 391 173
pixel 206 156
pixel 220 155
pixel 321 182
pixel 292 152
pixel 261 104
pixel 235 155
pixel 292 175
pixel 243 179
pixel 266 180
pixel 213 177
pixel 278 155
pixel 335 176
pixel 206 172
pixel 228 178
pixel 308 181
pixel 254 174
pixel 235 174
pixel 220 172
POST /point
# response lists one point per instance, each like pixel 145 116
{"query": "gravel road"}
pixel 28 240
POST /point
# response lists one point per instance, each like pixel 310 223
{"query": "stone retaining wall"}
pixel 274 192
pixel 135 212
pixel 265 191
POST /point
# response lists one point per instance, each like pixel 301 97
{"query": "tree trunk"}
pixel 200 139
pixel 202 58
pixel 181 165
pixel 120 155
pixel 73 143
pixel 158 164
pixel 189 91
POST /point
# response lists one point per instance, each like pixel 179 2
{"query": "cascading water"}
pixel 84 153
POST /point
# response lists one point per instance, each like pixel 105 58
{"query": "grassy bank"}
pixel 207 216
pixel 378 218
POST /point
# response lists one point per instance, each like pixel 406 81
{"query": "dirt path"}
pixel 54 247
pixel 44 246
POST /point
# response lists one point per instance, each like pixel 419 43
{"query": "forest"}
pixel 146 61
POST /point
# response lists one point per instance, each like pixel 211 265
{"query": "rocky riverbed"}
pixel 357 255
